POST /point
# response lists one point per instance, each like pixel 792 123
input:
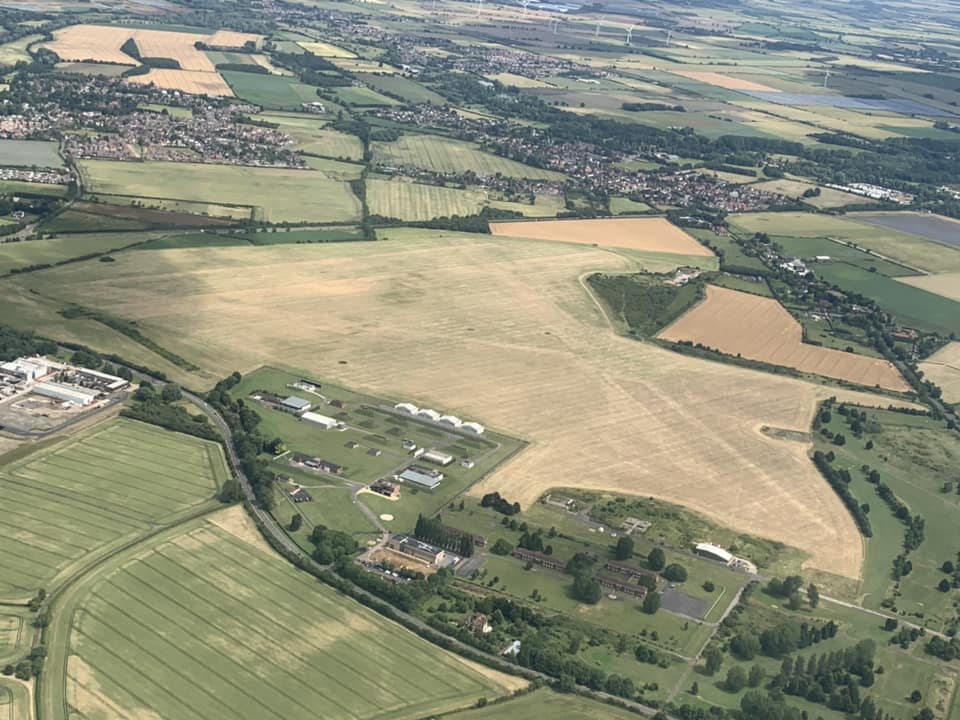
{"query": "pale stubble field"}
pixel 500 331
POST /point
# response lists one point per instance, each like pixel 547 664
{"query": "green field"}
pixel 734 259
pixel 811 247
pixel 207 626
pixel 625 206
pixel 409 90
pixel 444 155
pixel 275 193
pixel 14 633
pixel 898 246
pixel 415 201
pixel 14 700
pixel 71 502
pixel 29 153
pixel 912 306
pixel 914 456
pixel 57 250
pixel 315 138
pixel 273 92
pixel 546 704
pixel 360 96
pixel 18 187
pixel 13 52
pixel 171 110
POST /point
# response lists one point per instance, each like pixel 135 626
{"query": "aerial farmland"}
pixel 476 360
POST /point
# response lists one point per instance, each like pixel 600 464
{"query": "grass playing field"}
pixel 452 156
pixel 27 153
pixel 415 201
pixel 540 362
pixel 209 624
pixel 274 193
pixel 71 502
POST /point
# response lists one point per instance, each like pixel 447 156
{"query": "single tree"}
pixel 296 522
pixel 651 603
pixel 755 677
pixel 736 679
pixel 712 660
pixel 656 559
pixel 813 595
pixel 624 548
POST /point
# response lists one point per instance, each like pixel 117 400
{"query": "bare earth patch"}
pixel 759 328
pixel 647 234
pixel 499 330
pixel 943 368
pixel 235 521
pixel 945 284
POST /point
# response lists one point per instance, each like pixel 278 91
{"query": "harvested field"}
pixel 945 284
pixel 943 368
pixel 415 201
pixel 188 81
pixel 540 362
pixel 243 635
pixel 197 74
pixel 724 81
pixel 760 328
pixel 645 234
pixel 322 49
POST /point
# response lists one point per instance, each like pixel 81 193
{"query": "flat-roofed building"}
pixel 26 368
pixel 424 552
pixel 437 457
pixel 421 476
pixel 81 397
pixel 327 423
pixel 100 381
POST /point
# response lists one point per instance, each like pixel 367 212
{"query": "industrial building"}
pixel 327 423
pixel 424 552
pixel 408 408
pixel 428 414
pixel 451 420
pixel 437 457
pixel 422 476
pixel 80 397
pixel 473 427
pixel 714 552
pixel 29 369
pixel 387 489
pixel 295 405
pixel 97 380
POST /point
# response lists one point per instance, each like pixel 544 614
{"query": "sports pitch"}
pixel 71 502
pixel 540 363
pixel 210 624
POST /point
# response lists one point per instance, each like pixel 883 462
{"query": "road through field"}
pixel 499 330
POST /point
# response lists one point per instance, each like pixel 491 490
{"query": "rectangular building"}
pixel 424 552
pixel 66 393
pixel 421 476
pixel 26 368
pixel 437 457
pixel 295 405
pixel 99 381
pixel 327 423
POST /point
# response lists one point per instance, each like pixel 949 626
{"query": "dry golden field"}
pixel 943 368
pixel 197 74
pixel 945 284
pixel 189 81
pixel 760 328
pixel 499 330
pixel 645 234
pixel 724 81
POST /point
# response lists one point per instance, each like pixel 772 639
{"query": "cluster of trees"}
pixel 534 541
pixel 944 649
pixel 14 344
pixel 585 588
pixel 650 107
pixel 833 678
pixel 913 535
pixel 248 443
pixel 500 504
pixel 331 545
pixel 839 480
pixel 781 639
pixel 157 408
pixel 30 666
pixel 432 530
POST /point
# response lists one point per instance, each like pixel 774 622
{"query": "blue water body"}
pixel 902 107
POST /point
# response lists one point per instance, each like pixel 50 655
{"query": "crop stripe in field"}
pixel 17 571
pixel 107 480
pixel 74 711
pixel 279 628
pixel 412 641
pixel 191 629
pixel 132 452
pixel 56 516
pixel 158 465
pixel 34 550
pixel 129 665
pixel 58 534
pixel 183 650
pixel 91 505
